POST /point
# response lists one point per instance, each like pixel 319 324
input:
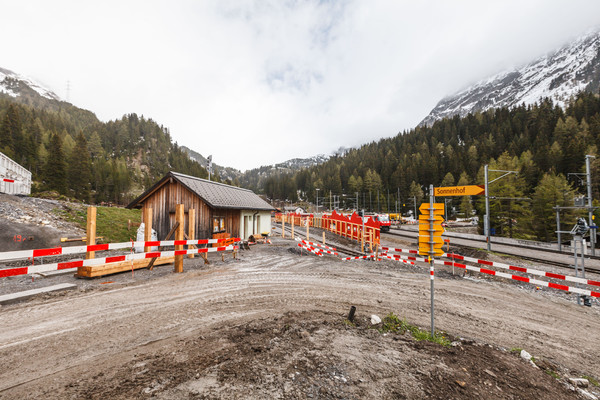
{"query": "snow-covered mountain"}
pixel 559 76
pixel 296 164
pixel 16 85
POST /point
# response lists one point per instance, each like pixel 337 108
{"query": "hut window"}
pixel 218 224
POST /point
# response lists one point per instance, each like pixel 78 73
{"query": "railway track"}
pixel 555 263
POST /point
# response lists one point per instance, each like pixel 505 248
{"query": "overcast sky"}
pixel 259 82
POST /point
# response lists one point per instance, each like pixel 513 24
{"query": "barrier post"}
pixel 362 240
pixel 179 215
pixel 307 229
pixel 147 227
pixel 371 234
pixel 283 227
pixel 293 220
pixel 91 231
pixel 323 238
pixel 191 227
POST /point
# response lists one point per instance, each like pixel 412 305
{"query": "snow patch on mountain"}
pixel 11 84
pixel 559 76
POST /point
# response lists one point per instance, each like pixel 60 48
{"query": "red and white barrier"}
pixel 358 258
pixel 502 274
pixel 521 278
pixel 57 251
pixel 396 258
pixel 525 270
pixel 311 249
pixel 322 246
pixel 399 256
pixel 106 260
pixel 385 249
pixel 8 180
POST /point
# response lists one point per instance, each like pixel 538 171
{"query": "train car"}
pixel 382 219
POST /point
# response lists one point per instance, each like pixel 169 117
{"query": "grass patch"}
pixel 592 380
pixel 552 373
pixel 391 323
pixel 516 350
pixel 111 222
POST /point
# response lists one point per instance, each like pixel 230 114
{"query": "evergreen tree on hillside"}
pixel 79 170
pixel 55 169
pixel 11 134
pixel 553 190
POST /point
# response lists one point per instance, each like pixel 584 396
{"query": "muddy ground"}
pixel 33 223
pixel 272 324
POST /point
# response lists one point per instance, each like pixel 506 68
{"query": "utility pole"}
pixel 209 165
pixel 486 218
pixel 590 205
pixel 415 205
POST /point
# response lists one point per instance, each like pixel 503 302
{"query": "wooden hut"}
pixel 219 208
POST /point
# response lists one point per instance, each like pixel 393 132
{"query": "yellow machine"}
pixel 395 216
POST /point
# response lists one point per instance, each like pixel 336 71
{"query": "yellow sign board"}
pixel 425 229
pixel 426 239
pixel 425 218
pixel 438 208
pixel 472 190
pixel 426 251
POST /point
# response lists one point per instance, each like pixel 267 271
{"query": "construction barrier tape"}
pixel 106 260
pixel 503 266
pixel 57 251
pixel 525 270
pixel 311 249
pixel 521 278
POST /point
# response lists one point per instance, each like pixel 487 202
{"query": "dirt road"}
pixel 272 325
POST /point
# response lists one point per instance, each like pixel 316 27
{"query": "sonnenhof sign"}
pixel 472 190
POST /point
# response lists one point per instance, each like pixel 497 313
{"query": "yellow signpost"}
pixel 430 229
pixel 472 190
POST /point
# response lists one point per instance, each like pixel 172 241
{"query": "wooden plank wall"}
pixel 163 202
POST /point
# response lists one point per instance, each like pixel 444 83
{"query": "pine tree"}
pixel 79 170
pixel 553 190
pixel 55 170
pixel 11 134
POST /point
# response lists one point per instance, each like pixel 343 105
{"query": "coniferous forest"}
pixel 545 144
pixel 70 151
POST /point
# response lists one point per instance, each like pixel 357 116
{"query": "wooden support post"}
pixel 362 241
pixel 293 228
pixel 179 215
pixel 323 238
pixel 282 227
pixel 191 227
pixel 90 231
pixel 307 229
pixel 371 234
pixel 147 227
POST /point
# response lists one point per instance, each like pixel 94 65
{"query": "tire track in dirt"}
pixel 263 285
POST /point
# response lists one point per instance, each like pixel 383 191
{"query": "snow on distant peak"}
pixel 10 83
pixel 558 76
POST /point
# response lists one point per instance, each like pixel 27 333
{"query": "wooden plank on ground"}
pixel 116 267
pixel 15 297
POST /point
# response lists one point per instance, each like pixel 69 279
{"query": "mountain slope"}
pixel 16 85
pixel 254 178
pixel 559 76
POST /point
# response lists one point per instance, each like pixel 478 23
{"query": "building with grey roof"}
pixel 220 209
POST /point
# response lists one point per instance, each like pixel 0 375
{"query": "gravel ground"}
pixel 272 325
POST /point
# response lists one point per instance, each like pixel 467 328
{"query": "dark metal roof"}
pixel 216 195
